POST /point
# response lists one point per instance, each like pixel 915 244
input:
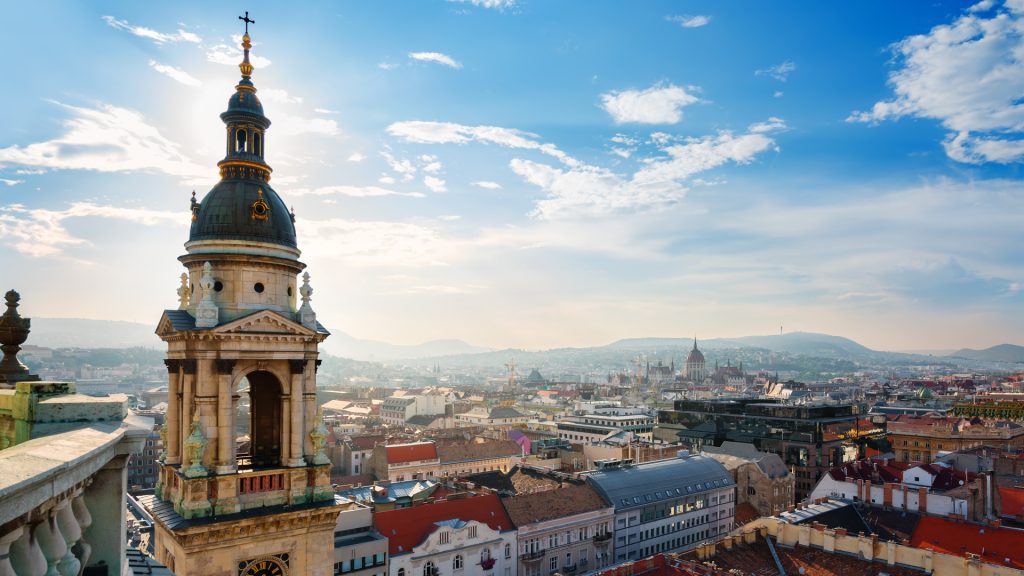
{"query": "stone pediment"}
pixel 264 322
pixel 173 321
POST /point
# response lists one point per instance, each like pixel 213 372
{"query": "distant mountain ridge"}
pixel 1009 353
pixel 85 333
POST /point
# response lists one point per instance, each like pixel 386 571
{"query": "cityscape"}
pixel 711 309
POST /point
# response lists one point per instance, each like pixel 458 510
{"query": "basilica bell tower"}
pixel 244 486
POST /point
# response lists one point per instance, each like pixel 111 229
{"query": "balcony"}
pixel 570 569
pixel 535 556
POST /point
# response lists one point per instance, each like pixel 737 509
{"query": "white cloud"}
pixel 591 191
pixel 294 125
pixel 435 57
pixel 449 217
pixel 229 55
pixel 777 94
pixel 493 4
pixel 968 75
pixel 176 74
pixel 352 191
pixel 387 66
pixel 622 152
pixel 374 243
pixel 581 190
pixel 434 184
pixel 356 157
pixel 279 96
pixel 325 111
pixel 9 182
pixel 41 233
pixel 659 104
pixel 107 139
pixel 426 132
pixel 690 21
pixel 779 72
pixel 149 33
pixel 403 167
pixel 388 180
pixel 487 185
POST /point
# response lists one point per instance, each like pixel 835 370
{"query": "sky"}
pixel 539 173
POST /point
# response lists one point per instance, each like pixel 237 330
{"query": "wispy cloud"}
pixel 687 21
pixel 150 34
pixel 581 190
pixel 492 4
pixel 436 57
pixel 41 233
pixel 487 185
pixel 176 74
pixel 107 139
pixel 375 243
pixel 280 96
pixel 779 72
pixel 356 157
pixel 968 75
pixel 352 191
pixel 659 104
pixel 231 54
pixel 403 167
pixel 9 182
pixel 325 111
pixel 293 125
pixel 435 184
pixel 387 65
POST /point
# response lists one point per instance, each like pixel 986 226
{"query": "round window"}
pixel 289 291
pixel 218 286
pixel 258 287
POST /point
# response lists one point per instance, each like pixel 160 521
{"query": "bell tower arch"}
pixel 243 475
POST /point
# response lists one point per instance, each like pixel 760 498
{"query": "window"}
pixel 444 537
pixel 457 562
pixel 429 569
pixel 508 550
pixel 472 531
pixel 568 559
pixel 553 564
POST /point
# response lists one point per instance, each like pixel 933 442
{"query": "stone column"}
pixel 105 498
pixel 309 406
pixel 286 427
pixel 298 428
pixel 226 463
pixel 26 556
pixel 188 392
pixel 6 569
pixel 173 447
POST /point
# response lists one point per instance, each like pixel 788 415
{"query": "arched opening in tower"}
pixel 259 421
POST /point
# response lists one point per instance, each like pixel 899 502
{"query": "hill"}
pixel 1009 353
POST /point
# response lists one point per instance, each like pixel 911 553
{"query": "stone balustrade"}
pixel 63 499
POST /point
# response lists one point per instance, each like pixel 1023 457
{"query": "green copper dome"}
pixel 243 206
pixel 243 209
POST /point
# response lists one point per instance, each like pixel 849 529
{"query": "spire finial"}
pixel 245 66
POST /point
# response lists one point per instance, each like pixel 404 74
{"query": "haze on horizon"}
pixel 527 174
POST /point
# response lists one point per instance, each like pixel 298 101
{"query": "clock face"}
pixel 264 567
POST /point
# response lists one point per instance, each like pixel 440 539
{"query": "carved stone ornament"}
pixel 319 437
pixel 206 311
pixel 196 445
pixel 183 292
pixel 163 442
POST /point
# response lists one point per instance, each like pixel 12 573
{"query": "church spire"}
pixel 246 66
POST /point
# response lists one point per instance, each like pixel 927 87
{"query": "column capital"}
pixel 172 365
pixel 188 365
pixel 297 366
pixel 225 366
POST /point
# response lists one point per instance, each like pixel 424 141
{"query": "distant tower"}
pixel 695 364
pixel 264 506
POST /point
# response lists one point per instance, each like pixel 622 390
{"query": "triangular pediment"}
pixel 174 321
pixel 264 322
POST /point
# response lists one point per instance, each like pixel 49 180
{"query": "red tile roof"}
pixel 411 452
pixel 406 528
pixel 366 442
pixel 1012 501
pixel 744 513
pixel 992 545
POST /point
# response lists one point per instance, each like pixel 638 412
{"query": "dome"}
pixel 244 101
pixel 695 356
pixel 243 209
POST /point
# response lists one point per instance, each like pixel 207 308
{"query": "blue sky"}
pixel 536 173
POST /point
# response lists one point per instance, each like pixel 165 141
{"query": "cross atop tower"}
pixel 247 21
